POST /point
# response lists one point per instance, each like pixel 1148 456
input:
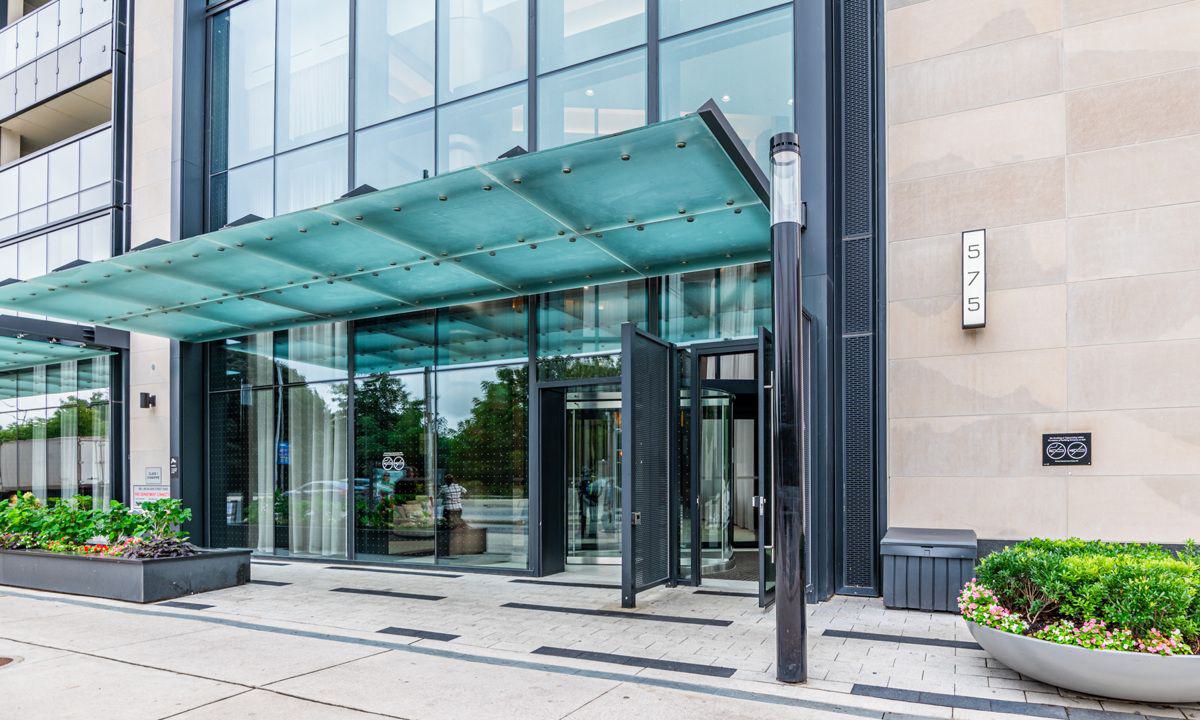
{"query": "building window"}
pixel 596 99
pixel 312 55
pixel 480 129
pixel 394 59
pixel 716 64
pixel 677 16
pixel 481 46
pixel 56 430
pixel 572 31
pixel 722 304
pixel 310 176
pixel 579 331
pixel 395 153
pixel 242 99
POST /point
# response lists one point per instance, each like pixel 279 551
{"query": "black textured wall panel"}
pixel 651 456
pixel 858 463
pixel 857 283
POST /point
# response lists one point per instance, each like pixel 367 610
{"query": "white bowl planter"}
pixel 1109 673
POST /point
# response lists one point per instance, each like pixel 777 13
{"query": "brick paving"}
pixel 862 664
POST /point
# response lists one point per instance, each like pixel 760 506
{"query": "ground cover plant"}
pixel 75 525
pixel 1098 595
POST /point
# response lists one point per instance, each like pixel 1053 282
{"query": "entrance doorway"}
pixel 698 511
pixel 592 473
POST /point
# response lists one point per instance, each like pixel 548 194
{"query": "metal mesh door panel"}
pixel 651 466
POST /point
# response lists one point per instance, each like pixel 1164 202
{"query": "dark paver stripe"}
pixel 423 634
pixel 272 583
pixel 907 639
pixel 388 593
pixel 264 562
pixel 970 702
pixel 564 583
pixel 620 614
pixel 726 593
pixel 390 571
pixel 184 605
pixel 683 667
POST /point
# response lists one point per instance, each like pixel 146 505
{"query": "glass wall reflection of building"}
pixel 55 430
pixel 405 437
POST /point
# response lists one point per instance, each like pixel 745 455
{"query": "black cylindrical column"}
pixel 791 628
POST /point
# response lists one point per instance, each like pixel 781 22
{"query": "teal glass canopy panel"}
pixel 673 197
pixel 16 353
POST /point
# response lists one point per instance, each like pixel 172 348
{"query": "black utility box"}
pixel 926 568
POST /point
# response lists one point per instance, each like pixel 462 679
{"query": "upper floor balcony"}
pixel 53 49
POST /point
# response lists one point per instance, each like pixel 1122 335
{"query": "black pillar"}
pixel 791 629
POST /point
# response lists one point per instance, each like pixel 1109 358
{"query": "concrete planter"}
pixel 141 581
pixel 1107 673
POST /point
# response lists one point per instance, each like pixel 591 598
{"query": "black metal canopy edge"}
pixel 737 151
pixel 51 331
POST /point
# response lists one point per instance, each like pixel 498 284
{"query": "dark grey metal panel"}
pixel 859 278
pixel 647 467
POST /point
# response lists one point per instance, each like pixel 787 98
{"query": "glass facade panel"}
pixel 394 153
pixel 676 16
pixel 8 192
pixel 312 464
pixel 242 101
pixel 241 362
pixel 312 354
pixel 481 129
pixel 33 182
pixel 62 246
pixel 391 344
pixel 31 258
pixel 716 63
pixel 571 31
pixel 246 507
pixel 482 44
pixel 64 171
pixel 483 332
pixel 729 302
pixel 249 191
pixel 482 491
pixel 310 176
pixel 95 239
pixel 586 321
pixel 55 425
pixel 600 98
pixel 394 481
pixel 312 55
pixel 95 159
pixel 395 56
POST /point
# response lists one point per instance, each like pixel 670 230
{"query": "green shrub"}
pixel 1144 590
pixel 59 524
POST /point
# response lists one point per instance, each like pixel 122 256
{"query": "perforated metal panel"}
pixel 859 278
pixel 858 464
pixel 647 408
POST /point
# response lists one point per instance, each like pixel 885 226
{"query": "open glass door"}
pixel 648 445
pixel 764 500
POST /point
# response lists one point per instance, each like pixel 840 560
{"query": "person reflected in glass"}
pixel 585 502
pixel 452 494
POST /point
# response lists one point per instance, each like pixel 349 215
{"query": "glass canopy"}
pixel 23 352
pixel 676 196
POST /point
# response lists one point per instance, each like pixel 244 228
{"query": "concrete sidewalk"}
pixel 308 640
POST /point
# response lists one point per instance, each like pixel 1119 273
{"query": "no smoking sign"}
pixel 1067 449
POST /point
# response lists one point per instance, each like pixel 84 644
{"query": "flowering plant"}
pixel 980 606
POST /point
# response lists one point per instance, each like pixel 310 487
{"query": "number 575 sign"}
pixel 974 279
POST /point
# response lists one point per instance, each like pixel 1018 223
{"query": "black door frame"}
pixel 695 352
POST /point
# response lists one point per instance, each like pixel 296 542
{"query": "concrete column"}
pixel 10 146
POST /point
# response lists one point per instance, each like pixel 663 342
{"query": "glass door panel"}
pixel 593 476
pixel 715 465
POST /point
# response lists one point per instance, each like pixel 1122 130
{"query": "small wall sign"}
pixel 147 493
pixel 1067 449
pixel 393 461
pixel 974 279
pixel 154 476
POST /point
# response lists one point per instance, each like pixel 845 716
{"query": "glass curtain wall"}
pixel 278 465
pixel 56 430
pixel 437 85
